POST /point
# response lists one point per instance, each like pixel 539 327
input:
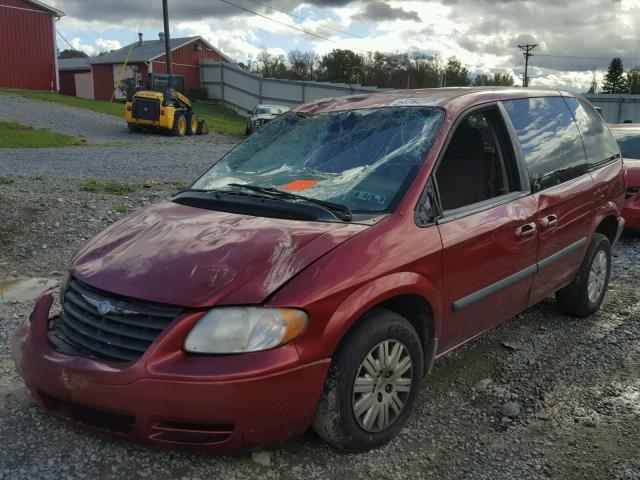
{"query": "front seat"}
pixel 467 172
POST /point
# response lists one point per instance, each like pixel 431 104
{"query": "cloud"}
pixel 77 44
pixel 573 36
pixel 383 12
pixel 106 45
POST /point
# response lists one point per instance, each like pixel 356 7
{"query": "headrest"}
pixel 466 142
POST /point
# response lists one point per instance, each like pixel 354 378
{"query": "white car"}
pixel 262 114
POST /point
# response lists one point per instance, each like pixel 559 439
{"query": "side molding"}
pixel 506 282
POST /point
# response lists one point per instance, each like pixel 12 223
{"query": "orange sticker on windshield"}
pixel 299 185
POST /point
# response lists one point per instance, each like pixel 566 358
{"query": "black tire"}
pixel 202 128
pixel 134 128
pixel 574 298
pixel 177 130
pixel 192 123
pixel 335 420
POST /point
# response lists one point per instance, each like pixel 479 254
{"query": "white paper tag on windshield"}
pixel 416 102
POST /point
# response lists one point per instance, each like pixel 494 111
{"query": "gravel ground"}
pixel 542 396
pixel 122 155
pixel 166 162
pixel 94 127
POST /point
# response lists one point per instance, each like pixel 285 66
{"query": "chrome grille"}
pixel 101 325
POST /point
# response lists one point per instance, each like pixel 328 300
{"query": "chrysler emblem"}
pixel 105 307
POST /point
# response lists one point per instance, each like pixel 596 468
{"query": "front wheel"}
pixel 179 125
pixel 583 296
pixel 372 383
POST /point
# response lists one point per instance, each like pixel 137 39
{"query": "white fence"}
pixel 617 108
pixel 242 90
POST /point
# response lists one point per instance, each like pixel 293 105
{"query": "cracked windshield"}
pixel 362 159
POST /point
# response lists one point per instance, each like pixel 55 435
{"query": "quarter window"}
pixel 598 142
pixel 549 138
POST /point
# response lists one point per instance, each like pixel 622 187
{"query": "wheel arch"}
pixel 608 223
pixel 409 294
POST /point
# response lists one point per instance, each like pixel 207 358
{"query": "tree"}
pixel 633 81
pixel 302 64
pixel 69 53
pixel 455 74
pixel 498 80
pixel 614 80
pixel 270 65
pixel 342 66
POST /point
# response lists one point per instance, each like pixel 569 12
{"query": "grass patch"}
pixel 6 181
pixel 14 135
pixel 112 187
pixel 123 209
pixel 221 119
pixel 115 108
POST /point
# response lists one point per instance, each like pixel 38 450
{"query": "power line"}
pixel 527 53
pixel 66 41
pixel 306 32
pixel 299 17
pixel 277 21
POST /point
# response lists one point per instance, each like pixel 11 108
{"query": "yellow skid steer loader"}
pixel 161 107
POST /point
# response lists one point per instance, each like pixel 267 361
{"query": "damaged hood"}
pixel 180 255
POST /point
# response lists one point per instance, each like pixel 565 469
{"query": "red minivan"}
pixel 313 274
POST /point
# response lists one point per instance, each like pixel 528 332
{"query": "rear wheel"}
pixel 192 124
pixel 134 128
pixel 372 383
pixel 179 125
pixel 583 296
pixel 202 128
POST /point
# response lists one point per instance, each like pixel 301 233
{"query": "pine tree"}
pixel 614 80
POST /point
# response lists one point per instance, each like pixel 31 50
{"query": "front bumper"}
pixel 167 398
pixel 631 212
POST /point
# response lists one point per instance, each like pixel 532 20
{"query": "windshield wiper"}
pixel 342 212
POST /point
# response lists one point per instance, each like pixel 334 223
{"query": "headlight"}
pixel 64 283
pixel 245 329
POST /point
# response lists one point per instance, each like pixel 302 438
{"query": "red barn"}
pixel 28 56
pixel 148 56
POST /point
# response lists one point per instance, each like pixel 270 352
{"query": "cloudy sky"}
pixel 573 36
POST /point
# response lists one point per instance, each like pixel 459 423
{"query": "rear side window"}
pixel 599 144
pixel 549 138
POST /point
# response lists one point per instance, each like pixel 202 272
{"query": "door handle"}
pixel 549 222
pixel 526 232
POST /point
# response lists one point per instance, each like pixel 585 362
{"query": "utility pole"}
pixel 526 49
pixel 167 38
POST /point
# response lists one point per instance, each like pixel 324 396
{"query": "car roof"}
pixel 265 105
pixel 426 97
